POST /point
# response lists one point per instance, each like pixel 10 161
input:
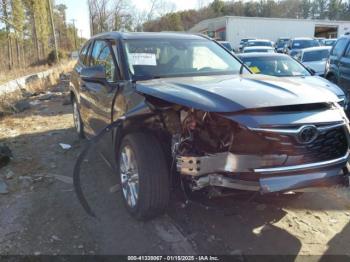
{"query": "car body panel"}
pixel 309 80
pixel 319 81
pixel 317 66
pixel 234 93
pixel 338 65
pixel 251 101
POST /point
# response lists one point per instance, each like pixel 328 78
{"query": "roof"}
pixel 247 55
pixel 259 40
pixel 258 47
pixel 318 21
pixel 148 35
pixel 316 48
pixel 302 38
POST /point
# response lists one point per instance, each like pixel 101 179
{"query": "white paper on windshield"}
pixel 143 59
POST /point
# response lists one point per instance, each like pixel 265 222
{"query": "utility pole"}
pixel 75 34
pixel 53 30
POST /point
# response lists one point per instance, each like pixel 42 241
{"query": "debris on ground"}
pixel 9 174
pixel 21 106
pixel 65 146
pixel 3 187
pixel 55 238
pixel 25 181
pixel 65 179
pixel 47 96
pixel 66 102
pixel 5 155
pixel 34 103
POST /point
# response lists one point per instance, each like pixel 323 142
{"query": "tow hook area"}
pixel 225 162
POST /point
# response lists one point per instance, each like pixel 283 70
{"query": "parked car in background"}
pixel 296 44
pixel 259 42
pixel 338 64
pixel 258 49
pixel 282 65
pixel 227 45
pixel 189 115
pixel 320 40
pixel 243 42
pixel 315 58
pixel 280 44
pixel 330 42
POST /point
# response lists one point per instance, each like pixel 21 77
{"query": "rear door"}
pixel 344 69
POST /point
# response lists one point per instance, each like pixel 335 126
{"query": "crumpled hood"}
pixel 318 81
pixel 232 93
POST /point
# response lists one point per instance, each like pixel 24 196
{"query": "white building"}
pixel 234 28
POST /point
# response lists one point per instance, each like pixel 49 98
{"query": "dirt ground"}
pixel 41 214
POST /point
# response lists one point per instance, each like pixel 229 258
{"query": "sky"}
pixel 78 10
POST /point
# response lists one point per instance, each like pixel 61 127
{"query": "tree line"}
pixel 300 9
pixel 117 15
pixel 26 37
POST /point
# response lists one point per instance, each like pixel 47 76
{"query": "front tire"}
pixel 144 176
pixel 77 119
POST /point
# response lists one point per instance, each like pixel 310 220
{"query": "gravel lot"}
pixel 41 215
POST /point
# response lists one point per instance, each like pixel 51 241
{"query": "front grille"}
pixel 330 144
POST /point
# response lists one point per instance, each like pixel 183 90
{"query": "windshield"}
pixel 156 58
pixel 300 44
pixel 329 42
pixel 259 43
pixel 319 55
pixel 275 66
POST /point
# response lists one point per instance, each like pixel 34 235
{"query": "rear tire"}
pixel 144 175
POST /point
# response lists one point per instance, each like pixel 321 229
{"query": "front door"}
pixel 98 96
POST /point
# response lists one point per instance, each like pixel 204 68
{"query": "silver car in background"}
pixel 259 49
pixel 315 58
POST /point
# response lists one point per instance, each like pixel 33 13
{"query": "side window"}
pixel 339 47
pixel 84 53
pixel 101 55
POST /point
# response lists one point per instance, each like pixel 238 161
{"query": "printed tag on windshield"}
pixel 255 69
pixel 143 59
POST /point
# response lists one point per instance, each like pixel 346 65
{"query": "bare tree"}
pixel 159 8
pixel 99 15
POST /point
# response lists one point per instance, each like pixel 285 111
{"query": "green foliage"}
pixel 26 37
pixel 18 16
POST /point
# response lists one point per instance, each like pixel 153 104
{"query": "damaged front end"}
pixel 298 151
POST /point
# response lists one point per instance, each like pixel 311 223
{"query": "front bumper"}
pixel 232 171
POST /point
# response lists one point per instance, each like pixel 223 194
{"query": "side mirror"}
pixel 94 74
